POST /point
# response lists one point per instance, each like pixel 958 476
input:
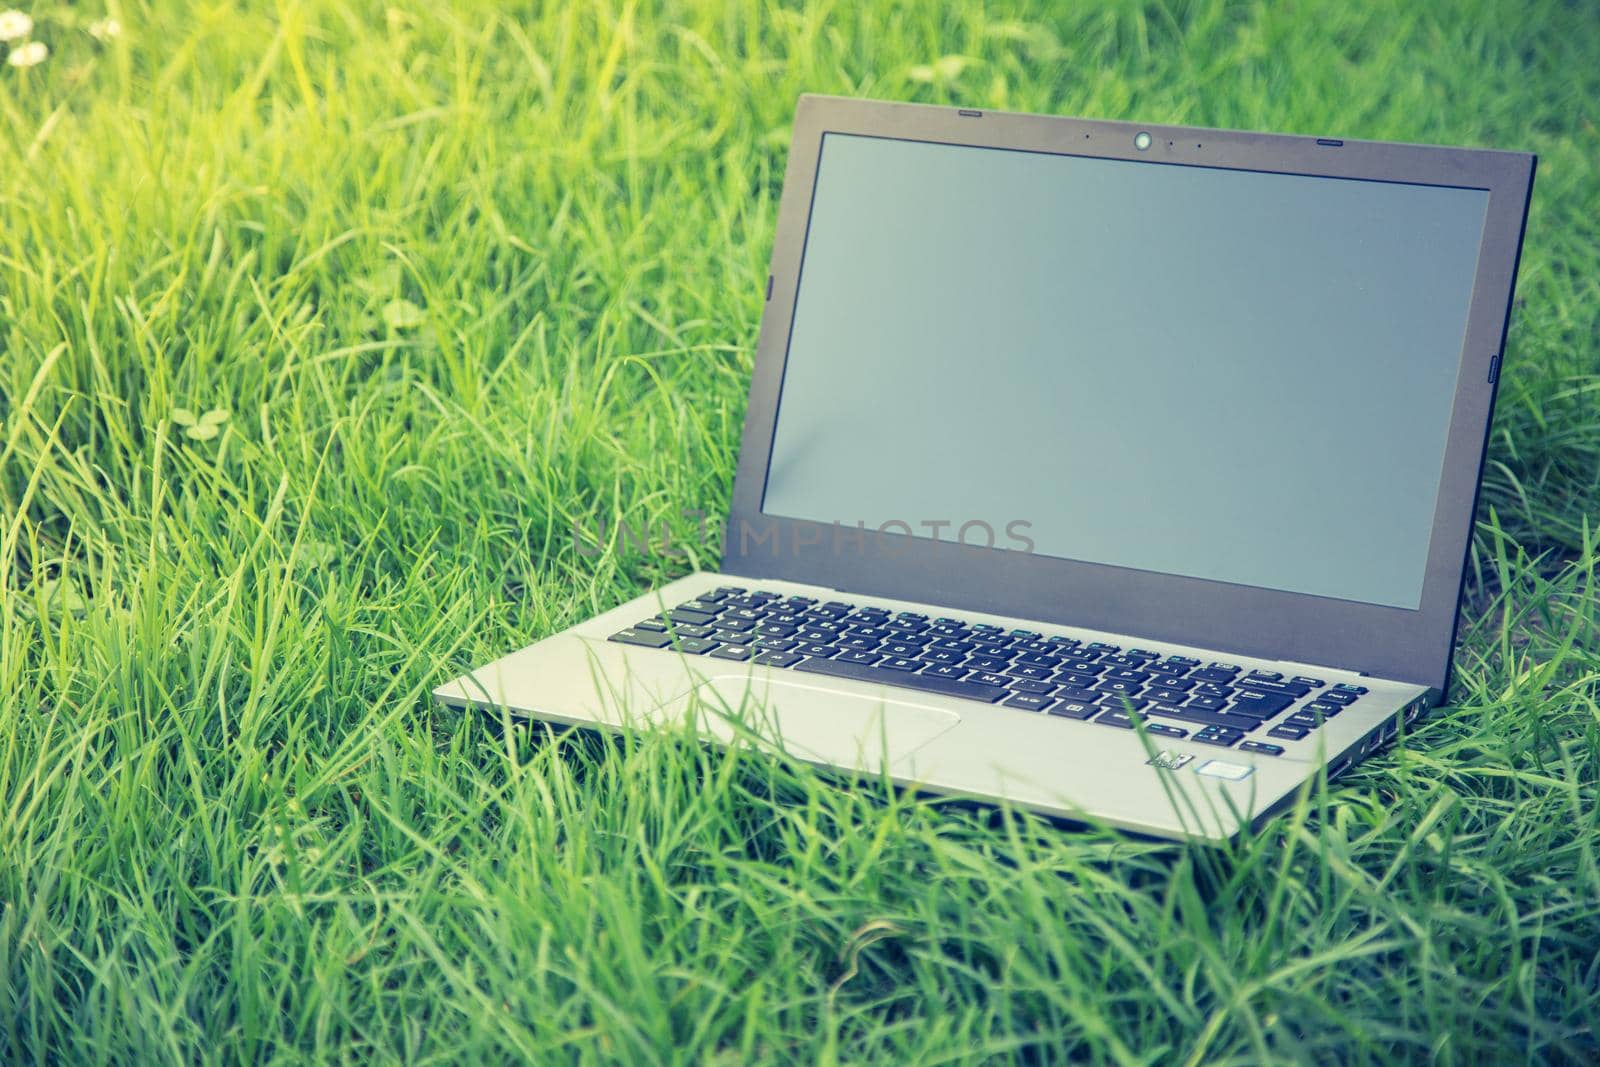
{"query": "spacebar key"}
pixel 950 687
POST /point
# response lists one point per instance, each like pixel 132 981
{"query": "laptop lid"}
pixel 1219 388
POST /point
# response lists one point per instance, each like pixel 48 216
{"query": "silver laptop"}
pixel 1124 473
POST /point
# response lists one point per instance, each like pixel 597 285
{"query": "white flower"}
pixel 105 29
pixel 14 25
pixel 30 54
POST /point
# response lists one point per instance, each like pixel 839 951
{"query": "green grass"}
pixel 463 275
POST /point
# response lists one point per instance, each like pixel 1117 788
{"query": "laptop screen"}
pixel 1231 375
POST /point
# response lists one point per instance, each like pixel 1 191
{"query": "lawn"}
pixel 324 324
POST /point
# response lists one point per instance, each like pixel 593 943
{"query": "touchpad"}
pixel 846 730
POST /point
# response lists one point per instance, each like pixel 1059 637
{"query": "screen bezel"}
pixel 1388 642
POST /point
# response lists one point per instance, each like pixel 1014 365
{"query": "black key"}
pixel 1025 635
pixel 696 646
pixel 722 592
pixel 748 614
pixel 812 633
pixel 1170 696
pixel 1335 696
pixel 1062 642
pixel 1035 648
pixel 1165 730
pixel 762 594
pixel 857 658
pixel 1125 661
pixel 1083 666
pixel 1024 685
pixel 1264 676
pixel 1207 703
pixel 899 648
pixel 1213 735
pixel 642 638
pixel 1260 705
pixel 1290 733
pixel 1143 654
pixel 943 655
pixel 775 644
pixel 1077 692
pixel 1076 678
pixel 835 607
pixel 1038 674
pixel 825 651
pixel 954 645
pixel 1116 718
pixel 899 663
pixel 1126 674
pixel 778 659
pixel 1227 668
pixel 1130 688
pixel 985 648
pixel 966 688
pixel 989 678
pixel 988 663
pixel 693 631
pixel 1261 747
pixel 1313 683
pixel 1353 690
pixel 709 607
pixel 733 652
pixel 859 644
pixel 1039 659
pixel 733 637
pixel 1169 682
pixel 772 629
pixel 1324 708
pixel 877 633
pixel 1306 719
pixel 1211 689
pixel 1212 674
pixel 1100 648
pixel 1028 702
pixel 906 637
pixel 1073 709
pixel 1121 701
pixel 1290 689
pixel 1241 723
pixel 1181 663
pixel 945 670
pixel 740 625
pixel 984 628
pixel 685 617
pixel 651 624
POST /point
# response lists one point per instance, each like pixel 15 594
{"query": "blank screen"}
pixel 1232 375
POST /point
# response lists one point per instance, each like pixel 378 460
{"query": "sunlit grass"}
pixel 447 282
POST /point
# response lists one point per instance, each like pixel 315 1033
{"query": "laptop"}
pixel 1122 473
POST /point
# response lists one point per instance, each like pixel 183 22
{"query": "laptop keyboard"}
pixel 1172 696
